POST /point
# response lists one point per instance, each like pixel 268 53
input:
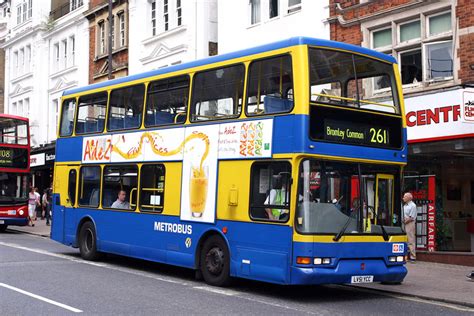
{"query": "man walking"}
pixel 409 219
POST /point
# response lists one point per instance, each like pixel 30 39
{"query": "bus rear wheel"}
pixel 215 261
pixel 88 242
pixel 3 228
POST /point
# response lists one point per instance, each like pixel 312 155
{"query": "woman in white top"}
pixel 33 201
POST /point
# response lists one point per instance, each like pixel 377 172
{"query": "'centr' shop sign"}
pixel 438 116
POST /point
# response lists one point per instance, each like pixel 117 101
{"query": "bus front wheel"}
pixel 88 242
pixel 215 261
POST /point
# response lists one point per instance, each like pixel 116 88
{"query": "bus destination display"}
pixel 361 134
pixel 13 158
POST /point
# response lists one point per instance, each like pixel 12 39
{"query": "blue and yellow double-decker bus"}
pixel 280 163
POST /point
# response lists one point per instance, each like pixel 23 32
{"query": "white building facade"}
pixel 41 61
pixel 248 23
pixel 170 32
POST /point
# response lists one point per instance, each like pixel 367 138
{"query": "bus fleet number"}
pixel 378 136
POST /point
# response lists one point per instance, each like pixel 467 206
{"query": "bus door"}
pixel 65 184
pixel 384 200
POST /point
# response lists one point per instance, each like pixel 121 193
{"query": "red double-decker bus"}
pixel 14 170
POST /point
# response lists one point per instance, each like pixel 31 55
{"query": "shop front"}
pixel 440 170
pixel 41 166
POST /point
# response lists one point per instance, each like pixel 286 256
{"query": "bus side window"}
pixel 152 188
pixel 117 179
pixel 217 93
pixel 89 186
pixel 72 187
pixel 270 86
pixel 270 191
pixel 167 101
pixel 91 113
pixel 67 117
pixel 126 107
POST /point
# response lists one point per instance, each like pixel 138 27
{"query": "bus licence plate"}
pixel 362 279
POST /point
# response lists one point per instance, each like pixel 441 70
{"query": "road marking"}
pixel 414 299
pixel 41 298
pixel 216 290
pixel 51 254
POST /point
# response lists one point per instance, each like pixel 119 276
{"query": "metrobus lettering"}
pixel 435 116
pixel 173 228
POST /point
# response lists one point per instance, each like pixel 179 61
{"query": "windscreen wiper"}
pixel 384 233
pixel 342 231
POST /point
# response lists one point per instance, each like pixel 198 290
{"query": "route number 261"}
pixel 378 136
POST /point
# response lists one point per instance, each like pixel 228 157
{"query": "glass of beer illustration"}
pixel 198 182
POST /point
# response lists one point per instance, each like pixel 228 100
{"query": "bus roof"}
pixel 13 117
pixel 250 51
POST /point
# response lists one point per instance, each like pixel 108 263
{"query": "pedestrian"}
pixel 32 202
pixel 38 204
pixel 46 202
pixel 409 219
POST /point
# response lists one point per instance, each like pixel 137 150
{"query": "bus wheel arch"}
pixel 213 258
pixel 87 240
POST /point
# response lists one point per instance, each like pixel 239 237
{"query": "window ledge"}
pixel 114 51
pixel 292 12
pixel 63 71
pixel 165 34
pixel 22 77
pixel 254 25
pixel 22 24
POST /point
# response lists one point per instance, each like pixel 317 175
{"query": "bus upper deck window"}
pixel 218 93
pixel 167 101
pixel 270 86
pixel 67 117
pixel 126 107
pixel 91 113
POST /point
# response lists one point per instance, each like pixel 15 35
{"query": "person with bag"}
pixel 31 206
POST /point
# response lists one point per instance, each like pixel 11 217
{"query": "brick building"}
pixel 98 16
pixel 433 42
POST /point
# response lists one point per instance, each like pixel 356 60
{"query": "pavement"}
pixel 425 280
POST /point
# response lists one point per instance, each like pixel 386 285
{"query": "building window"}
pixel 20 108
pixel 121 17
pixel 294 5
pixel 21 57
pixel 56 56
pixel 24 11
pixel 112 27
pixel 30 9
pixel 153 17
pixel 76 4
pixel 254 11
pixel 72 45
pixel 14 109
pixel 18 14
pixel 439 24
pixel 178 12
pixel 64 54
pixel 101 37
pixel 273 8
pixel 53 121
pixel 27 58
pixel 26 104
pixel 409 31
pixel 15 63
pixel 429 56
pixel 165 14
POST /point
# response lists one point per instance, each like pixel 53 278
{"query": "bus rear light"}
pixel 303 260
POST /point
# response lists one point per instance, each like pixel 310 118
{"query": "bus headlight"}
pixel 400 259
pixel 21 212
pixel 392 259
pixel 318 261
